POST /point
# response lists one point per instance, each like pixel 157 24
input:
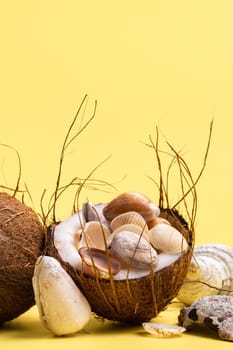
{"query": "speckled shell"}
pixel 167 239
pixel 211 264
pixel 162 330
pixel 130 217
pixel 94 235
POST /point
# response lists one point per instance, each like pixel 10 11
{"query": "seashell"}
pixel 62 308
pixel 131 201
pixel 129 228
pixel 214 312
pixel 94 212
pixel 95 235
pixel 167 239
pixel 133 250
pixel 97 262
pixel 162 330
pixel 129 217
pixel 210 272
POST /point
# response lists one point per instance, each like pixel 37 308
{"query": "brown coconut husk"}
pixel 133 301
pixel 21 242
pixel 22 238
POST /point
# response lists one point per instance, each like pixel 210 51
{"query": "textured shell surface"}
pixel 62 308
pixel 215 312
pixel 129 228
pixel 130 217
pixel 162 330
pixel 133 250
pixel 99 262
pixel 95 235
pixel 167 239
pixel 210 272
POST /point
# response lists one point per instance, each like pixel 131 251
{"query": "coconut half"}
pixel 21 242
pixel 135 298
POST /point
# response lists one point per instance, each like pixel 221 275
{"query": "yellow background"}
pixel 147 63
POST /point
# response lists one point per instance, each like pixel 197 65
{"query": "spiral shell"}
pixel 210 273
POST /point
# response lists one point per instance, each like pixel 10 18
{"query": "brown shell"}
pixel 21 242
pixel 138 300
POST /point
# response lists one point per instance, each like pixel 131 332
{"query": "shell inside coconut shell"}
pixel 136 300
pixel 21 242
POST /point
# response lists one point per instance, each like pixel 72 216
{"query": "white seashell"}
pixel 129 228
pixel 62 308
pixel 167 239
pixel 133 250
pixel 162 330
pixel 210 272
pixel 95 235
pixel 130 217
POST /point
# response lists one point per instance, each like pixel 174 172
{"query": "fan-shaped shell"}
pixel 95 235
pixel 99 262
pixel 167 239
pixel 130 217
pixel 210 272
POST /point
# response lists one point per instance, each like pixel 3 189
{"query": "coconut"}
pixel 21 242
pixel 137 300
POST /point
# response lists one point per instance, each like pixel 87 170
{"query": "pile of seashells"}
pixel 125 238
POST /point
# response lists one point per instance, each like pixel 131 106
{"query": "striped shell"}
pixel 130 217
pixel 94 235
pixel 210 273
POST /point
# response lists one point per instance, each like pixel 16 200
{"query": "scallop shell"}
pixel 99 262
pixel 162 330
pixel 129 228
pixel 130 217
pixel 167 239
pixel 133 250
pixel 95 235
pixel 210 272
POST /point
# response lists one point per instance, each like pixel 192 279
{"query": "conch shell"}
pixel 210 273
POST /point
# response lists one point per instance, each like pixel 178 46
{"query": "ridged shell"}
pixel 97 262
pixel 211 264
pixel 167 239
pixel 130 217
pixel 129 228
pixel 162 330
pixel 95 235
pixel 133 250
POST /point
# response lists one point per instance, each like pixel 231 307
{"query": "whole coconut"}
pixel 21 242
